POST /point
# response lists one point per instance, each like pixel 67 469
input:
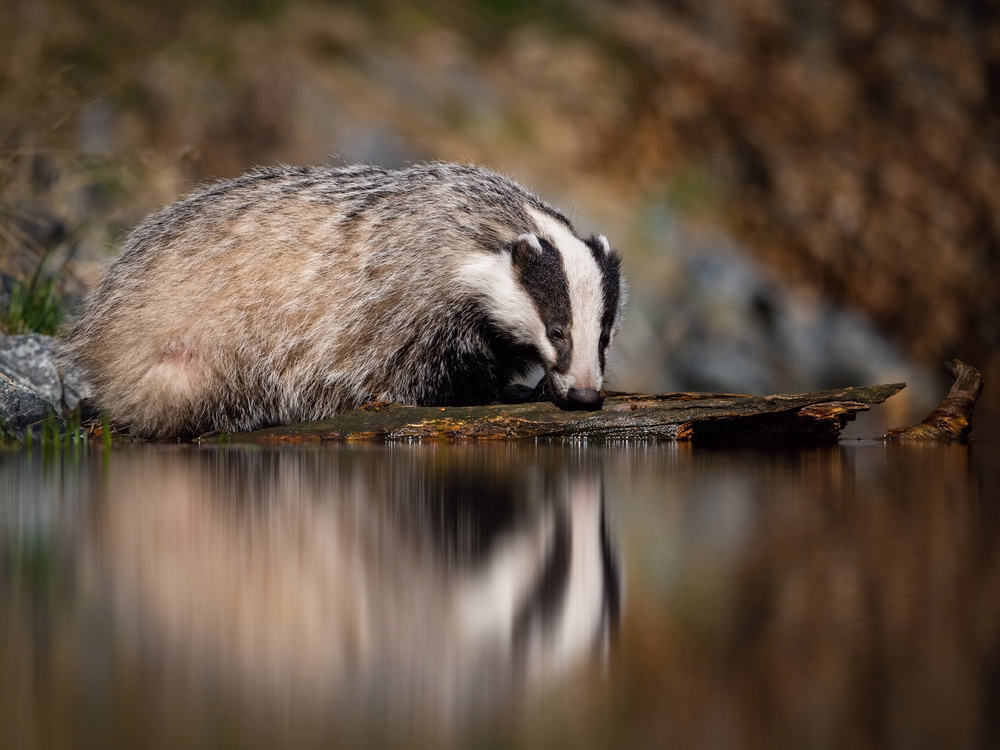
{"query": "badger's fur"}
pixel 295 293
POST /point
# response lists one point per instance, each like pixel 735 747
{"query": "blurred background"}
pixel 807 194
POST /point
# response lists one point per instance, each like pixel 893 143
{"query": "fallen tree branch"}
pixel 952 419
pixel 702 417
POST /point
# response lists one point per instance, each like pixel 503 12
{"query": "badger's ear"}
pixel 599 246
pixel 525 248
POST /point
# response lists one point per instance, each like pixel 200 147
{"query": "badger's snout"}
pixel 575 399
pixel 583 399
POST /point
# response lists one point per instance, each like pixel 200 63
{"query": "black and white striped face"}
pixel 562 296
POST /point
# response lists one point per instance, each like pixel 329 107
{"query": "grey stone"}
pixel 31 361
pixel 21 409
pixel 705 317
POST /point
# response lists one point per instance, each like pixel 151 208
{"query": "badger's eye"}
pixel 557 334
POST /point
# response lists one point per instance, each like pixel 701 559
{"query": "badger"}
pixel 293 294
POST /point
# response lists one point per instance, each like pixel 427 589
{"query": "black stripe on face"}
pixel 609 262
pixel 542 275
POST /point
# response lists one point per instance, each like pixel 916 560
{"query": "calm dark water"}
pixel 501 596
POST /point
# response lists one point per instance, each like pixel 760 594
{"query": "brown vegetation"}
pixel 856 141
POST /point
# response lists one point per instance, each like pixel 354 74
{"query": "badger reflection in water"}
pixel 402 580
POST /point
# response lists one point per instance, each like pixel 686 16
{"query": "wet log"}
pixel 702 417
pixel 952 420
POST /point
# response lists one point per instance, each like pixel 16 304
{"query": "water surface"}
pixel 500 595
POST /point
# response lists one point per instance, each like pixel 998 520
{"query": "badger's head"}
pixel 561 296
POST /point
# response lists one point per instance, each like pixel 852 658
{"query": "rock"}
pixel 20 409
pixel 704 317
pixel 30 361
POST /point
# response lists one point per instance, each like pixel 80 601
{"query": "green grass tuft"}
pixel 33 305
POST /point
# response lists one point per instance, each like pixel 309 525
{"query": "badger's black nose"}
pixel 587 399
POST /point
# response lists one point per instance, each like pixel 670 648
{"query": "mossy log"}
pixel 703 417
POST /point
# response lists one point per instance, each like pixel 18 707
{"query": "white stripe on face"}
pixel 586 294
pixel 492 275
